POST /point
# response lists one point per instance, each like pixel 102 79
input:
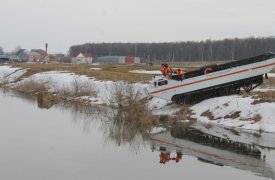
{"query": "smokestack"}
pixel 46 48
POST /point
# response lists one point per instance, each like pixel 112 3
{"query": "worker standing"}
pixel 178 157
pixel 162 69
pixel 167 157
pixel 168 71
pixel 162 158
pixel 179 74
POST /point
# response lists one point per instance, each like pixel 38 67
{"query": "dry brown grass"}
pixel 269 83
pixel 108 72
pixel 257 135
pixel 4 81
pixel 233 115
pixel 208 126
pixel 185 113
pixel 234 131
pixel 130 117
pixel 79 88
pixel 262 97
pixel 46 100
pixel 256 118
pixel 208 114
pixel 31 86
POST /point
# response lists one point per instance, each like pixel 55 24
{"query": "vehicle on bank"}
pixel 214 80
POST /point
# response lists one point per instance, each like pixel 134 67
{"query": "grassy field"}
pixel 108 72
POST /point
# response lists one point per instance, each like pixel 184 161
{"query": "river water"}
pixel 69 142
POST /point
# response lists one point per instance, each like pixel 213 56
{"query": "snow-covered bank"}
pixel 229 111
pixel 162 107
pixel 236 111
pixel 271 74
pixel 9 74
pixel 57 81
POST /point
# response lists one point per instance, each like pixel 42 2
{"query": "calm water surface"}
pixel 64 143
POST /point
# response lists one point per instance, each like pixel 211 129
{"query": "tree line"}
pixel 227 49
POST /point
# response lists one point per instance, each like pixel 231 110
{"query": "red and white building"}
pixel 82 58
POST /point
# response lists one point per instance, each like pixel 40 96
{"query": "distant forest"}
pixel 227 49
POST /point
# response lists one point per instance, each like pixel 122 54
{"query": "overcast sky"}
pixel 62 23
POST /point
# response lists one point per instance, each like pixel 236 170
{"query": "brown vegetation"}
pixel 79 88
pixel 233 115
pixel 208 114
pixel 31 86
pixel 234 131
pixel 256 118
pixel 108 72
pixel 130 117
pixel 185 113
pixel 208 126
pixel 269 83
pixel 262 97
pixel 46 100
pixel 131 105
pixel 4 81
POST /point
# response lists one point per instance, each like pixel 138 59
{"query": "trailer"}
pixel 214 80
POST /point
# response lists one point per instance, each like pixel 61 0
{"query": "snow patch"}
pixel 58 81
pixel 162 107
pixel 237 111
pixel 156 130
pixel 10 74
pixel 271 74
pixel 141 71
pixel 97 69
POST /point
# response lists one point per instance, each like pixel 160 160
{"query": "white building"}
pixel 82 58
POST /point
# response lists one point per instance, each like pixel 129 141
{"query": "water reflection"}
pixel 131 126
pixel 165 156
pixel 81 114
pixel 128 124
pixel 84 115
pixel 45 100
pixel 212 150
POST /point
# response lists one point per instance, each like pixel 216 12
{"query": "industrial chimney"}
pixel 46 48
